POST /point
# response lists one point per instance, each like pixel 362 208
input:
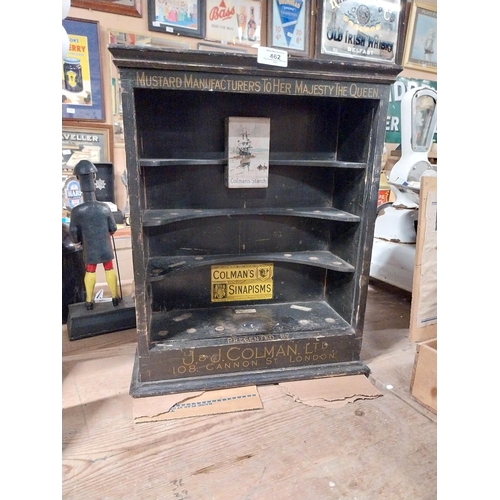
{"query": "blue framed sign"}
pixel 289 26
pixel 82 92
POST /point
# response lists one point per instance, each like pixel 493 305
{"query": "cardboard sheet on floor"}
pixel 196 404
pixel 332 392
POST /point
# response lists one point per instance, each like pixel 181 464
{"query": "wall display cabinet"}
pixel 249 285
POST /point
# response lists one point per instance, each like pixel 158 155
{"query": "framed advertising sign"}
pixel 421 40
pixel 177 18
pixel 365 30
pixel 236 23
pixel 123 7
pixel 82 92
pixel 85 142
pixel 397 92
pixel 289 26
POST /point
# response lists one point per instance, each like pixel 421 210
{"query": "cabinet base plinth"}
pixel 229 380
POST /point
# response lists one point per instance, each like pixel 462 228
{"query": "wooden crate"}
pixel 423 317
pixel 423 385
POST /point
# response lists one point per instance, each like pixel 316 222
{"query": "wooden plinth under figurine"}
pixel 103 318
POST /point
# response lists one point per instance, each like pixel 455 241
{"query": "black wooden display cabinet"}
pixel 312 227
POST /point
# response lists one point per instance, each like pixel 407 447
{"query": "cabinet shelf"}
pixel 152 218
pixel 160 267
pixel 270 321
pixel 287 159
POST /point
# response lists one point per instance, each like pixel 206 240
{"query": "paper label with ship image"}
pixel 247 152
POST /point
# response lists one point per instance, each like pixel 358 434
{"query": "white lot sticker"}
pixel 273 57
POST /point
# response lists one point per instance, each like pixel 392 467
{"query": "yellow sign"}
pixel 242 282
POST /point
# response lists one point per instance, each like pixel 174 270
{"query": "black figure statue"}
pixel 92 225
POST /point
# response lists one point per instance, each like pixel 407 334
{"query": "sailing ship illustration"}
pixel 429 45
pixel 243 148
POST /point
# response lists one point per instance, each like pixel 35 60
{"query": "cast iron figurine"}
pixel 92 225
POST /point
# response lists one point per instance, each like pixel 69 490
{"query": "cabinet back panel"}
pixel 202 186
pixel 172 123
pixel 235 235
pixel 191 289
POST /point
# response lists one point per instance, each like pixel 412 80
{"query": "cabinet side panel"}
pixel 355 124
pixel 369 203
pixel 136 202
